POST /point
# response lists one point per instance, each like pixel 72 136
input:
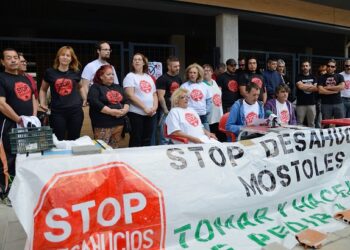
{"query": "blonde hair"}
pixel 74 64
pixel 176 96
pixel 199 69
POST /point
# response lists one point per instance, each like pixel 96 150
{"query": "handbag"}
pixel 127 126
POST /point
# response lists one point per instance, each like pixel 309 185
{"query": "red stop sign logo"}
pixel 23 91
pixel 217 100
pixel 284 116
pixel 257 81
pixel 114 97
pixel 145 86
pixel 196 95
pixel 250 117
pixel 232 86
pixel 110 206
pixel 192 119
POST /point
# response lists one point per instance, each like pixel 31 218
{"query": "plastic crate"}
pixel 31 140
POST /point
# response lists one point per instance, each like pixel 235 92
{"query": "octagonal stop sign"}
pixel 110 206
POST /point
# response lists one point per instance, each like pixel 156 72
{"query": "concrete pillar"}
pixel 227 36
pixel 179 41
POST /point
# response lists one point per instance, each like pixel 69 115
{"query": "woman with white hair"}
pixel 184 121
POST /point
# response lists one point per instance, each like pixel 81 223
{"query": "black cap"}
pixel 231 62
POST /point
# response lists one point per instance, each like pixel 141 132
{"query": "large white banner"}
pixel 196 196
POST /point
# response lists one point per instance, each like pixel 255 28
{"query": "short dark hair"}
pixel 282 87
pixel 221 65
pixel 272 59
pixel 98 44
pixel 332 61
pixel 305 61
pixel 172 59
pixel 207 66
pixel 252 85
pixel 7 49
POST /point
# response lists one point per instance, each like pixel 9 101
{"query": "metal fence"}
pixel 40 53
pixel 154 52
pixel 316 61
pixel 262 56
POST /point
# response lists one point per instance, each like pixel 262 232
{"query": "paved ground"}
pixel 12 236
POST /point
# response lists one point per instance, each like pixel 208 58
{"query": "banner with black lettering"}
pixel 227 196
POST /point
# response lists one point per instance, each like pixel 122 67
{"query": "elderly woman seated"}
pixel 183 121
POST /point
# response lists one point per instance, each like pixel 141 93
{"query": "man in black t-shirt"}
pixel 306 85
pixel 252 74
pixel 329 87
pixel 166 84
pixel 16 99
pixel 228 82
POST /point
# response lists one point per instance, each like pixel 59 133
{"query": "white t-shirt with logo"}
pixel 216 107
pixel 282 112
pixel 144 88
pixel 198 93
pixel 91 68
pixel 186 120
pixel 346 91
pixel 251 112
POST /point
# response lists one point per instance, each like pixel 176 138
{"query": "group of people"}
pixel 147 107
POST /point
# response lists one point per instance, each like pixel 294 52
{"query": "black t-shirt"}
pixel 18 92
pixel 64 89
pixel 111 96
pixel 256 78
pixel 305 97
pixel 330 80
pixel 169 84
pixel 229 88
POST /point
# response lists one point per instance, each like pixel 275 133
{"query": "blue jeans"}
pixel 204 120
pixel 346 102
pixel 162 139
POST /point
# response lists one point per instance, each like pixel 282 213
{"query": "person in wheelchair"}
pixel 183 121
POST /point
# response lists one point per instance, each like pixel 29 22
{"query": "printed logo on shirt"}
pixel 257 81
pixel 331 81
pixel 232 86
pixel 347 84
pixel 114 97
pixel 250 117
pixel 196 95
pixel 145 86
pixel 192 119
pixel 174 86
pixel 217 100
pixel 63 86
pixel 284 116
pixel 23 91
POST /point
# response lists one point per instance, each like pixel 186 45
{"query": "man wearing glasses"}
pixel 104 52
pixel 345 93
pixel 329 87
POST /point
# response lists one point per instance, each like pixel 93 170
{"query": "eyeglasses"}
pixel 331 66
pixel 24 62
pixel 184 97
pixel 347 66
pixel 106 50
pixel 241 65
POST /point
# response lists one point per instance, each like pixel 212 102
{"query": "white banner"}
pixel 196 196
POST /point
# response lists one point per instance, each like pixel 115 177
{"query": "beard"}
pixel 105 58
